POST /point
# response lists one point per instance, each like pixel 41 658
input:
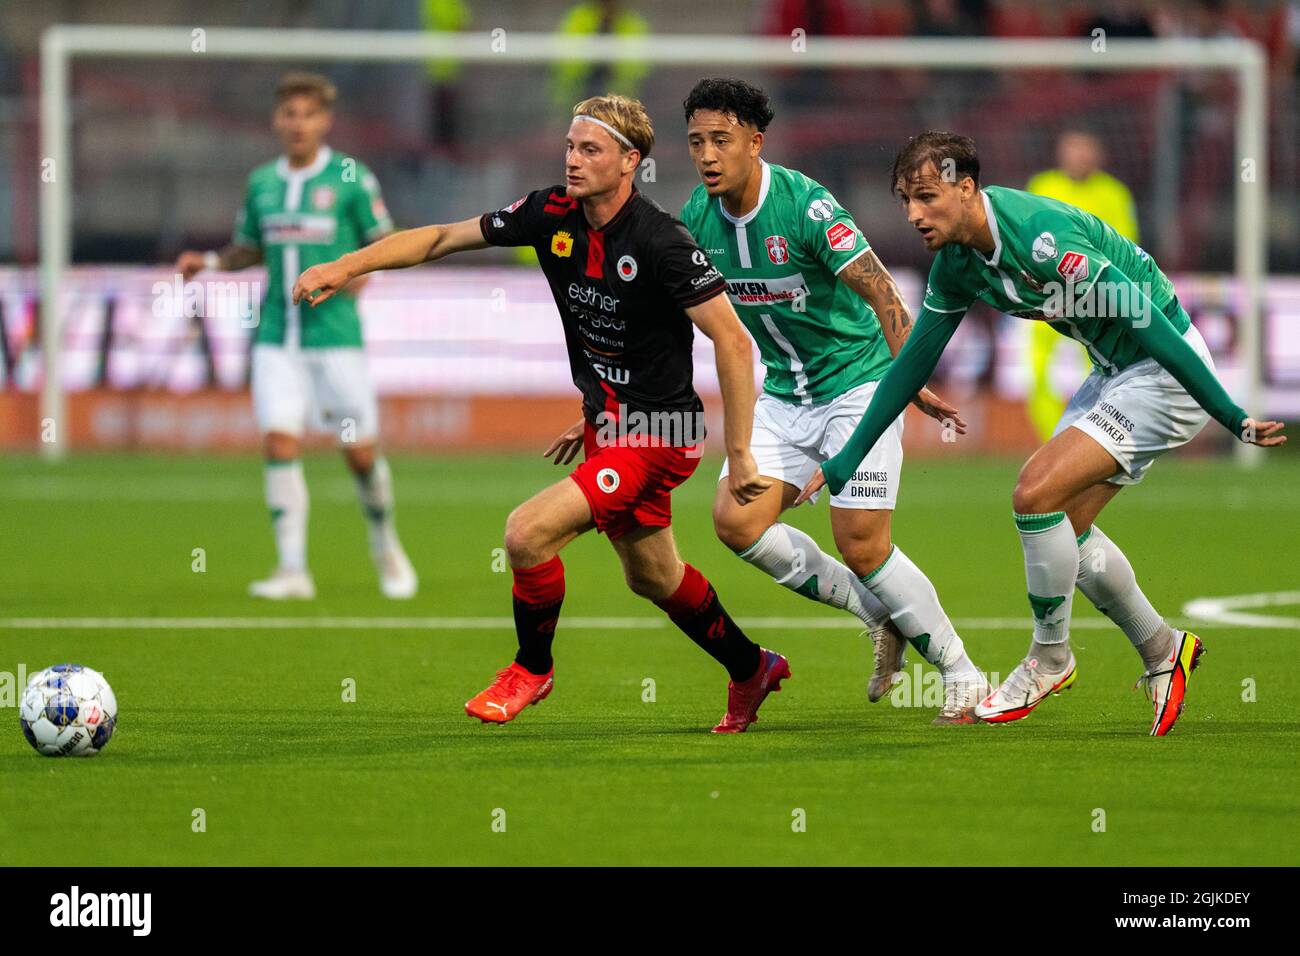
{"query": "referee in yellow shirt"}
pixel 1079 181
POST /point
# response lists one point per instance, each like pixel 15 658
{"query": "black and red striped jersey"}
pixel 622 291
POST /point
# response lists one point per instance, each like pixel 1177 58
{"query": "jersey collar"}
pixel 618 217
pixel 762 195
pixel 993 228
pixel 322 159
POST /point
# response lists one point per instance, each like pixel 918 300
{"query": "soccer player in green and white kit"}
pixel 827 318
pixel 1152 388
pixel 311 205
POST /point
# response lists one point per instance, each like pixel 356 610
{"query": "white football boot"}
pixel 959 700
pixel 1023 690
pixel 284 585
pixel 397 578
pixel 1166 688
pixel 887 649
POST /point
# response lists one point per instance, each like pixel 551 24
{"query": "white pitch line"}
pixel 465 623
pixel 1229 610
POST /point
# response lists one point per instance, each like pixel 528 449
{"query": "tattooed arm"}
pixel 869 278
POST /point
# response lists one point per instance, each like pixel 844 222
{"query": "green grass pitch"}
pixel 250 724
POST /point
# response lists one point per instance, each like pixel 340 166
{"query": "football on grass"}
pixel 68 711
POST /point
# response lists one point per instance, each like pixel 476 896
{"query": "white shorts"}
pixel 326 390
pixel 791 441
pixel 1139 414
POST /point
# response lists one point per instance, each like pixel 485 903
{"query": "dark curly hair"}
pixel 742 100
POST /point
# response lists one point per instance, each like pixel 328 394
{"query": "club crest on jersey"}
pixel 1044 248
pixel 322 198
pixel 820 210
pixel 562 244
pixel 607 480
pixel 627 268
pixel 777 250
pixel 1073 267
pixel 842 238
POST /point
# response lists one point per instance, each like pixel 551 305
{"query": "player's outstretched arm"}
pixel 867 276
pixel 1164 344
pixel 232 258
pixel 911 369
pixel 734 354
pixel 409 247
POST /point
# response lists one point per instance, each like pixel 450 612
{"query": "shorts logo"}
pixel 515 205
pixel 820 210
pixel 777 250
pixel 1073 267
pixel 607 480
pixel 1044 248
pixel 842 238
pixel 322 198
pixel 562 244
pixel 627 268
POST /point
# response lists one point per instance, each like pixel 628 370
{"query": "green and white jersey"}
pixel 299 218
pixel 1046 258
pixel 818 339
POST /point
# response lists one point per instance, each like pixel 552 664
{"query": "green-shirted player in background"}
pixel 311 205
pixel 827 318
pixel 1152 388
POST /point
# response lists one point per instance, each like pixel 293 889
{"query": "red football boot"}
pixel 514 689
pixel 744 699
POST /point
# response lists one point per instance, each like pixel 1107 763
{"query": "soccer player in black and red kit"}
pixel 629 282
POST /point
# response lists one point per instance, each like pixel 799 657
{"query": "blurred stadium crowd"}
pixel 162 147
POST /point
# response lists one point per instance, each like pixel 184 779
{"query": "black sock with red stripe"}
pixel 695 608
pixel 538 592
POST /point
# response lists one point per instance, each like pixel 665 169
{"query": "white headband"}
pixel 612 132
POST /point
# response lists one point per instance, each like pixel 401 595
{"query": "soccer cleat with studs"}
pixel 515 688
pixel 959 700
pixel 887 651
pixel 744 699
pixel 1024 689
pixel 1167 688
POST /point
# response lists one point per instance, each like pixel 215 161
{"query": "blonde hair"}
pixel 306 84
pixel 625 114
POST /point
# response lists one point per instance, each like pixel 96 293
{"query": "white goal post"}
pixel 62 44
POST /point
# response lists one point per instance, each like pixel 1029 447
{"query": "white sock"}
pixel 794 560
pixel 1051 567
pixel 375 492
pixel 286 497
pixel 914 607
pixel 1106 579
